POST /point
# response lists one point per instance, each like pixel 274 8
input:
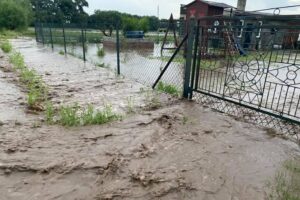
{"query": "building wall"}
pixel 196 10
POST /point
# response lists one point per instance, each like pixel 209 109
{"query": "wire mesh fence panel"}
pixel 144 59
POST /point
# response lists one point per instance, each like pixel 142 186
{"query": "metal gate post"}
pixel 195 54
pixel 189 56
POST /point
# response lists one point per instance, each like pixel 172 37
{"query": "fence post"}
pixel 188 64
pixel 64 35
pixel 51 38
pixel 83 43
pixel 118 49
pixel 42 33
pixel 196 45
pixel 35 30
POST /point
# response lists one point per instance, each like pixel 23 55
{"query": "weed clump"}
pixel 6 46
pixel 61 52
pixel 170 89
pixel 286 183
pixel 100 52
pixel 74 115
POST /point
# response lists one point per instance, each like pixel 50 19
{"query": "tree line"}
pixel 19 14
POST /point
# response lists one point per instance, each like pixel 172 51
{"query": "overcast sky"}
pixel 166 7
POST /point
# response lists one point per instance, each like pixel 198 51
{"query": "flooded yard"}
pixel 176 149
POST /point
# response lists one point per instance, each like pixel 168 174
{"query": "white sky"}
pixel 166 7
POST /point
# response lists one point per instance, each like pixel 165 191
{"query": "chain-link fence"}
pixel 134 54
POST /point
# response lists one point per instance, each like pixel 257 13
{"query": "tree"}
pixel 67 11
pixel 14 15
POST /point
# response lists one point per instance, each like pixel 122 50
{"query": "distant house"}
pixel 201 8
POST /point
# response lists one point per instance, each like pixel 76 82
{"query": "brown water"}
pixel 178 151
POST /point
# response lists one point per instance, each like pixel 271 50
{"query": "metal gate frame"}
pixel 247 66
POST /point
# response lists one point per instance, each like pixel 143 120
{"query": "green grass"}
pixel 61 52
pixel 17 60
pixel 37 91
pixel 130 104
pixel 167 88
pixel 286 184
pixel 100 52
pixel 73 36
pixel 8 34
pixel 6 46
pixel 50 113
pixel 74 115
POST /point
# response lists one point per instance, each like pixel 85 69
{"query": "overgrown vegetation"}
pixel 286 184
pixel 15 14
pixel 6 46
pixel 168 88
pixel 37 91
pixel 76 116
pixel 100 52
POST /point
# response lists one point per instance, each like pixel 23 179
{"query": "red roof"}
pixel 211 3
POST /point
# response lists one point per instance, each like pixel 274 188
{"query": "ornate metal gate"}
pixel 249 66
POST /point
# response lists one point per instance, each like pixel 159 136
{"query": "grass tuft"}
pixel 6 46
pixel 61 52
pixel 286 184
pixel 74 115
pixel 170 89
pixel 100 52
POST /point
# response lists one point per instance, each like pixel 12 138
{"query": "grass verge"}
pixel 167 88
pixel 286 184
pixel 37 90
pixel 76 116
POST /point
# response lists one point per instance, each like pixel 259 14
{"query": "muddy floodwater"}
pixel 177 150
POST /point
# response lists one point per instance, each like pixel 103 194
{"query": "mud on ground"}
pixel 177 150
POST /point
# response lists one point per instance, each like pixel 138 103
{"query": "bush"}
pixel 6 46
pixel 13 15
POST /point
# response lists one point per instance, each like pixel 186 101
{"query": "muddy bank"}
pixel 179 150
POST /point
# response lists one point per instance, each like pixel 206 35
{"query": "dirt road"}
pixel 177 150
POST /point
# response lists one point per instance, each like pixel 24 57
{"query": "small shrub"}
pixel 101 117
pixel 100 52
pixel 170 89
pixel 61 52
pixel 69 115
pixel 17 60
pixel 6 46
pixel 33 97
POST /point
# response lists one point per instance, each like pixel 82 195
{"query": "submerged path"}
pixel 179 150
